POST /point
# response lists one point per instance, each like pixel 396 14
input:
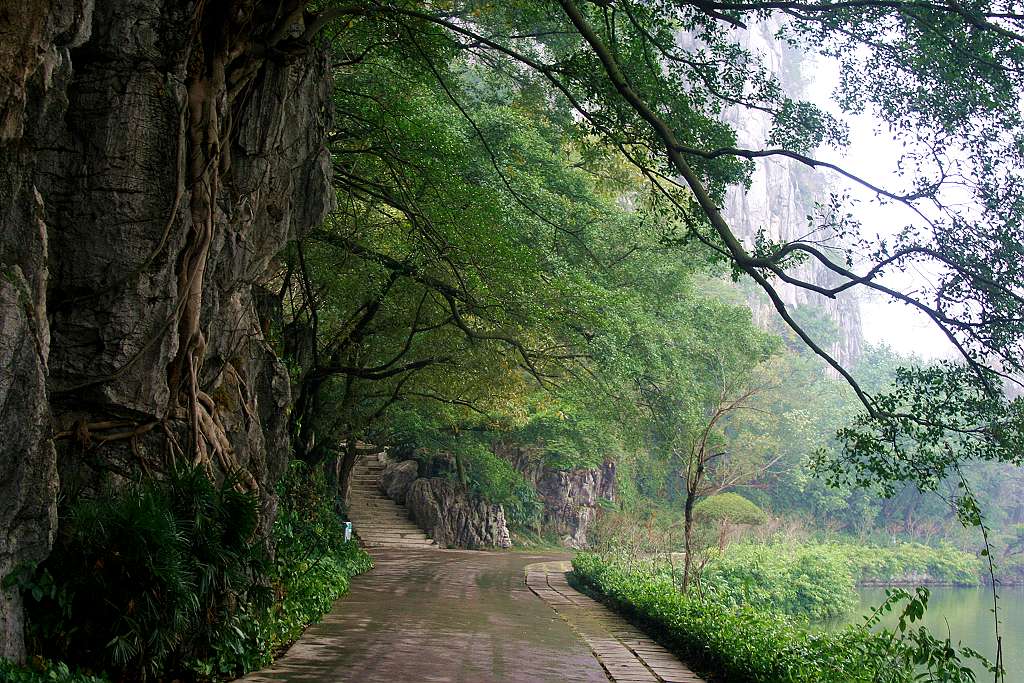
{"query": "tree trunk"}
pixel 348 463
pixel 688 537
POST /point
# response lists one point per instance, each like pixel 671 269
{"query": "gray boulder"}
pixel 398 478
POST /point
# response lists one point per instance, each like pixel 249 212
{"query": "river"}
pixel 968 613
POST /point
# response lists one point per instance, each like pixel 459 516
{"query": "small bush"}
pixel 910 563
pixel 728 508
pixel 144 578
pixel 311 569
pixel 796 580
pixel 496 481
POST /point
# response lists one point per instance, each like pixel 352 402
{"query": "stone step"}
pixel 396 511
pixel 380 528
pixel 370 523
pixel 373 506
pixel 370 503
pixel 400 520
pixel 400 514
pixel 388 528
pixel 379 520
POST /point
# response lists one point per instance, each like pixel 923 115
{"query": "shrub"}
pixel 312 567
pixel 817 580
pixel 797 580
pixel 169 578
pixel 728 508
pixel 143 578
pixel 496 481
pixel 741 644
pixel 907 563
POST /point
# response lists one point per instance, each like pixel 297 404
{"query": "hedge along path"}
pixel 627 655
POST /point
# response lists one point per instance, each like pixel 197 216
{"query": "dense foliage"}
pixel 172 576
pixel 816 580
pixel 743 644
pixel 798 581
pixel 42 671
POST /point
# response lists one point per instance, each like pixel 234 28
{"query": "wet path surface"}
pixel 438 615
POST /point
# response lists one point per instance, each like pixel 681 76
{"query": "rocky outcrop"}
pixel 571 497
pixel 154 157
pixel 455 519
pixel 397 478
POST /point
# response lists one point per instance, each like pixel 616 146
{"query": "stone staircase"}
pixel 378 521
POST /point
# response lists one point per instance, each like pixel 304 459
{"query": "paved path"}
pixel 466 617
pixel 624 651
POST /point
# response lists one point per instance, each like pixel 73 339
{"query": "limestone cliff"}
pixel 154 156
pixel 782 194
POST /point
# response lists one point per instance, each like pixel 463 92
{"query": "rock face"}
pixel 451 516
pixel 454 519
pixel 28 472
pixel 397 478
pixel 153 161
pixel 781 196
pixel 571 497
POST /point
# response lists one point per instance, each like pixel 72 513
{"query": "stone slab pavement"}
pixel 467 617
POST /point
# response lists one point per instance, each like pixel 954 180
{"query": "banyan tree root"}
pixel 223 44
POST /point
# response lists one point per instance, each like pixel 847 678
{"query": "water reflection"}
pixel 966 615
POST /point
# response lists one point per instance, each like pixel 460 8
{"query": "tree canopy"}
pixel 637 90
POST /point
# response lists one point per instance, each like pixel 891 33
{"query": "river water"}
pixel 966 614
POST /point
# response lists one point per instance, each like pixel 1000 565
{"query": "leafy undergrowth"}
pixel 42 671
pixel 312 568
pixel 742 644
pixel 173 580
pixel 817 580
